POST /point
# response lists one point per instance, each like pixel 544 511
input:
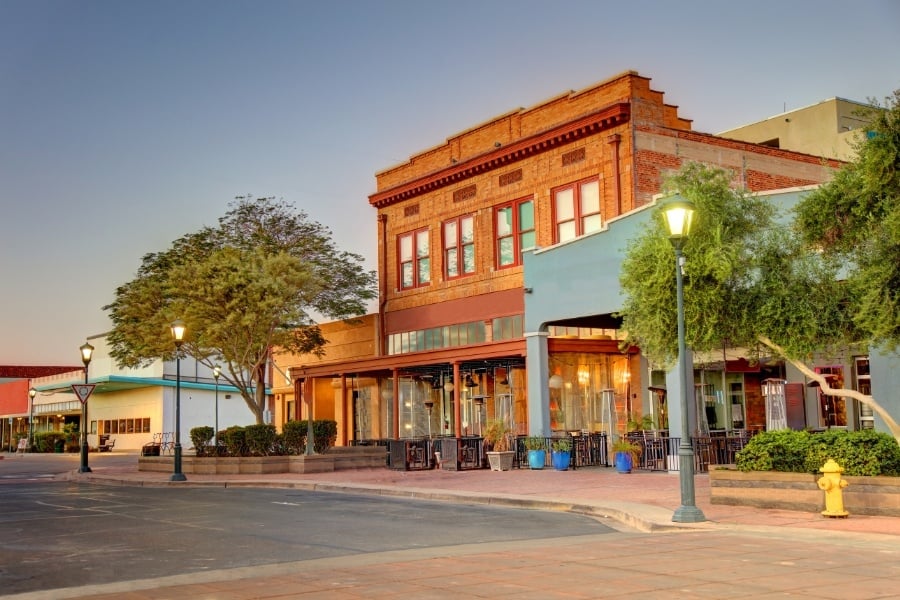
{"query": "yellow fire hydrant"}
pixel 833 485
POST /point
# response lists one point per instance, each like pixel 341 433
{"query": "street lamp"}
pixel 31 394
pixel 217 371
pixel 679 213
pixel 178 329
pixel 86 352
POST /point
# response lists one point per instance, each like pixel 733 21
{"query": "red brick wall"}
pixel 653 141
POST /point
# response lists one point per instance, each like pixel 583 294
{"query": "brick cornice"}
pixel 591 124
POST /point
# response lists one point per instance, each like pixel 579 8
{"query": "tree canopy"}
pixel 256 281
pixel 855 219
pixel 754 277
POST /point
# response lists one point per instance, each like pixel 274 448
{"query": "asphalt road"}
pixel 183 543
pixel 63 534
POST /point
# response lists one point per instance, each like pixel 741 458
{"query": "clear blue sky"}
pixel 126 124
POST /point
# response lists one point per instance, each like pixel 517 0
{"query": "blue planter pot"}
pixel 560 460
pixel 536 459
pixel 623 462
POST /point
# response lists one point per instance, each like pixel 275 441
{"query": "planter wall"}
pixel 336 459
pixel 799 491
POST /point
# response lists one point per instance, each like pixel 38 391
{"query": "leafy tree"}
pixel 855 219
pixel 254 282
pixel 748 279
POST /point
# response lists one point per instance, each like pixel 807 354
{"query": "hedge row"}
pixel 864 452
pixel 264 440
pixel 53 441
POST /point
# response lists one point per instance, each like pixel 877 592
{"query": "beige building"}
pixel 827 129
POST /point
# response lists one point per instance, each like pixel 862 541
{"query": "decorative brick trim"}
pixel 575 156
pixel 466 193
pixel 511 177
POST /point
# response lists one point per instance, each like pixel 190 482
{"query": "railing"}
pixel 658 451
pixel 456 454
pixel 588 450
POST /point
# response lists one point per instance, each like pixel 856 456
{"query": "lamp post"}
pixel 178 329
pixel 679 213
pixel 86 352
pixel 31 394
pixel 217 371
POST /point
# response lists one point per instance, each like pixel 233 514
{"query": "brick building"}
pixel 446 349
pixel 15 401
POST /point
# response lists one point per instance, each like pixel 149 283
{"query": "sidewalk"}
pixel 642 500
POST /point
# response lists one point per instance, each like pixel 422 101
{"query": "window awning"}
pixel 54 408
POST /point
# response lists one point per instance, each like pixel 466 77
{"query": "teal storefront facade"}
pixel 574 366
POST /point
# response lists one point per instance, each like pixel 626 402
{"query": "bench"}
pixel 153 448
pixel 106 446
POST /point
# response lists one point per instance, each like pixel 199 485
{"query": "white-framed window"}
pixel 576 210
pixel 514 231
pixel 459 247
pixel 414 259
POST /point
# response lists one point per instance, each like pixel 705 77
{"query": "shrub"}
pixel 201 438
pixel 781 450
pixel 628 447
pixel 496 435
pixel 278 446
pixel 47 441
pixel 858 452
pixel 324 432
pixel 534 442
pixel 294 433
pixel 260 439
pixel 563 444
pixel 236 441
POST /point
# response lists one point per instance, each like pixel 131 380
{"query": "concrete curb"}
pixel 645 518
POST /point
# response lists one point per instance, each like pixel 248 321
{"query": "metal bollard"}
pixel 833 485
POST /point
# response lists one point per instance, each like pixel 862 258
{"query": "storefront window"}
pixel 593 392
pixel 833 409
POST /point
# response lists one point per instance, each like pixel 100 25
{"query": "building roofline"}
pixel 796 110
pixel 591 124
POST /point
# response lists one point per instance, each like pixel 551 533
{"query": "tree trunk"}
pixel 827 389
pixel 260 393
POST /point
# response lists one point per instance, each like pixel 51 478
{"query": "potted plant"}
pixel 496 440
pixel 626 453
pixel 561 453
pixel 537 451
pixel 645 423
